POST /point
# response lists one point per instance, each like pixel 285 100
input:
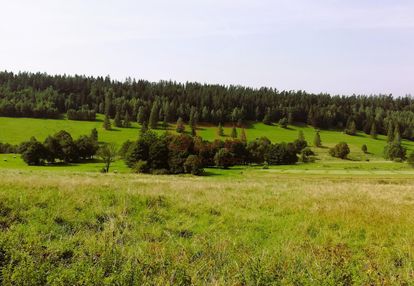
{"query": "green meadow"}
pixel 253 227
pixel 17 130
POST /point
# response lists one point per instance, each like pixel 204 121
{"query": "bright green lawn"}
pixel 17 130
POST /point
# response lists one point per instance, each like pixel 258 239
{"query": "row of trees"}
pixel 42 95
pixel 82 114
pixel 175 154
pixel 59 148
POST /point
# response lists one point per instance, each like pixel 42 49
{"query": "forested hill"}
pixel 44 96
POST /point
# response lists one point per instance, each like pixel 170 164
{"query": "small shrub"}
pixel 341 150
pixel 140 167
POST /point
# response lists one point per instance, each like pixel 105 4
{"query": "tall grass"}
pixel 257 229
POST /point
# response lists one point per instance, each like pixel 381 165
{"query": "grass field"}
pixel 17 130
pixel 255 228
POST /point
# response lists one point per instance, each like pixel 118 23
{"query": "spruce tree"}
pixel 193 131
pixel 144 127
pixel 317 142
pixel 107 123
pixel 220 131
pixel 153 120
pixel 127 123
pixel 141 115
pixel 180 125
pixel 234 132
pixel 94 134
pixel 373 131
pixel 301 136
pixel 117 120
pixel 397 136
pixel 390 133
pixel 243 137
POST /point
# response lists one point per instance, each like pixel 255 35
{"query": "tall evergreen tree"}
pixel 317 142
pixel 127 122
pixel 220 130
pixel 94 135
pixel 243 137
pixel 107 123
pixel 390 132
pixel 373 131
pixel 301 136
pixel 153 120
pixel 180 126
pixel 141 115
pixel 117 120
pixel 234 132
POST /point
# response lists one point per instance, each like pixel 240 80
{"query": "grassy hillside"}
pixel 16 130
pixel 258 228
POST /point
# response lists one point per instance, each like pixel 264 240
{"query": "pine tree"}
pixel 373 131
pixel 193 131
pixel 390 133
pixel 268 117
pixel 107 123
pixel 141 115
pixel 301 136
pixel 243 137
pixel 180 125
pixel 234 132
pixel 127 123
pixel 94 134
pixel 317 142
pixel 220 131
pixel 397 136
pixel 153 120
pixel 165 122
pixel 117 120
pixel 144 127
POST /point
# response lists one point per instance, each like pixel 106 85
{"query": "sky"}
pixel 334 46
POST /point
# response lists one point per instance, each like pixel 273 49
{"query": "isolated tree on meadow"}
pixel 341 150
pixel 373 131
pixel 364 148
pixel 180 126
pixel 317 142
pixel 94 134
pixel 117 120
pixel 390 132
pixel 141 115
pixel 144 127
pixel 243 137
pixel 126 122
pixel 220 130
pixel 107 123
pixel 234 132
pixel 153 119
pixel 108 153
pixel 283 122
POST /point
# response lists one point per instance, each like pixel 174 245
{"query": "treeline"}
pixel 59 148
pixel 83 114
pixel 42 95
pixel 175 154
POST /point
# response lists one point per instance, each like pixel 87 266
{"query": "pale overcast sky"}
pixel 345 47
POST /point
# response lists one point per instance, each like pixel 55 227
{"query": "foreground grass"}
pixel 255 228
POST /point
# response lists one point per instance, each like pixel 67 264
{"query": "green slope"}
pixel 17 130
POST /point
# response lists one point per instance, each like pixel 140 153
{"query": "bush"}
pixel 281 154
pixel 283 122
pixel 394 151
pixel 193 165
pixel 223 158
pixel 364 149
pixel 341 150
pixel 140 167
pixel 307 155
pixel 410 159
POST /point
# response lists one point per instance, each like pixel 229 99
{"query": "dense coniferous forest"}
pixel 40 95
